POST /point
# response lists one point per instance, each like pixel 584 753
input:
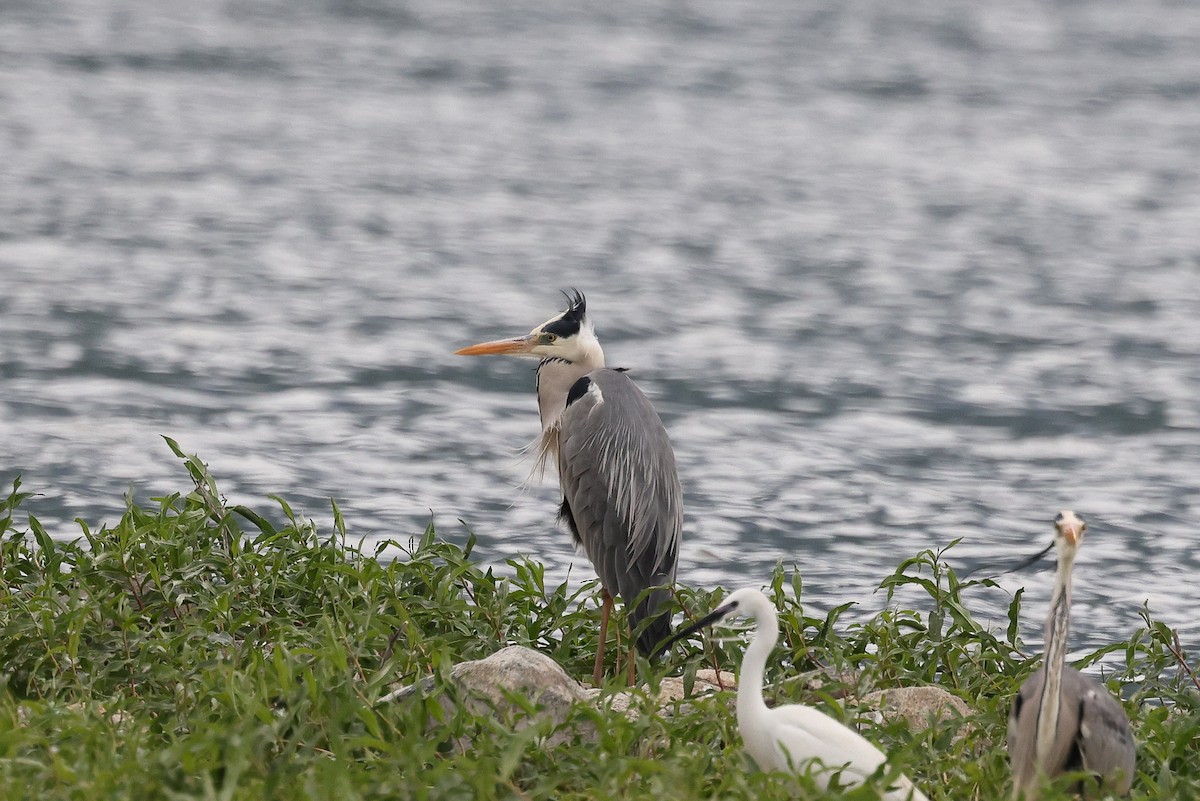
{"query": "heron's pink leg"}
pixel 606 609
pixel 632 664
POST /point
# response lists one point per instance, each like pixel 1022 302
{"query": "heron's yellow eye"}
pixel 548 339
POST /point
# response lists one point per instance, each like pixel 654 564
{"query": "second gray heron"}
pixel 1061 720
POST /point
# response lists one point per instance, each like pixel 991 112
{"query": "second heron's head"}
pixel 1068 531
pixel 568 336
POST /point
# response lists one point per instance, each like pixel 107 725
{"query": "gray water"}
pixel 893 273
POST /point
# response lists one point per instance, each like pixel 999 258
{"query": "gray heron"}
pixel 621 495
pixel 789 738
pixel 1062 720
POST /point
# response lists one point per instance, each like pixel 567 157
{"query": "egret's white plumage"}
pixel 790 738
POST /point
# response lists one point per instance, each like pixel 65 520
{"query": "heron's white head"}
pixel 567 336
pixel 1068 531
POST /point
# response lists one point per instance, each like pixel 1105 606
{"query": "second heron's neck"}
pixel 1058 624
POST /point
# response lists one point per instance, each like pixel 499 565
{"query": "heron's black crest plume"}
pixel 576 302
pixel 570 321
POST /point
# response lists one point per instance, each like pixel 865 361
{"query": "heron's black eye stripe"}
pixel 570 321
pixel 564 326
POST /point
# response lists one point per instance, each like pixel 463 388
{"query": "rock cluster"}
pixel 515 679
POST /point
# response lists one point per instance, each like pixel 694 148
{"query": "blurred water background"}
pixel 893 273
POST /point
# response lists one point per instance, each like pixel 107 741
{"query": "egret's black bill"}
pixel 707 620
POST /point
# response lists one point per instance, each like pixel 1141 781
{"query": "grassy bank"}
pixel 200 650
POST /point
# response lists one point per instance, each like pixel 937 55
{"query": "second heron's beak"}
pixel 516 346
pixel 1071 532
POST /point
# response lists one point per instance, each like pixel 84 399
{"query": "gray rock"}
pixel 669 691
pixel 485 686
pixel 921 707
pixel 515 678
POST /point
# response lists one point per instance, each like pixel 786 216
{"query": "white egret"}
pixel 789 738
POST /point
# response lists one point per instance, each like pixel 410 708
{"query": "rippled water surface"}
pixel 893 274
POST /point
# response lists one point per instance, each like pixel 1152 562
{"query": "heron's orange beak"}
pixel 517 345
pixel 1071 533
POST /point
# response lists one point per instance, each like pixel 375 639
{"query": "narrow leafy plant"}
pixel 201 650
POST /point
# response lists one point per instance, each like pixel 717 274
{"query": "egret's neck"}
pixel 1057 624
pixel 750 682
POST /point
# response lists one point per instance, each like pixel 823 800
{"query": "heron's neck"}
pixel 1057 626
pixel 555 377
pixel 750 682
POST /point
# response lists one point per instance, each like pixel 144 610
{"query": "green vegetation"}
pixel 199 650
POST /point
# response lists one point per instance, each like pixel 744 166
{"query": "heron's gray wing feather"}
pixel 617 472
pixel 1022 730
pixel 1105 738
pixel 1092 725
